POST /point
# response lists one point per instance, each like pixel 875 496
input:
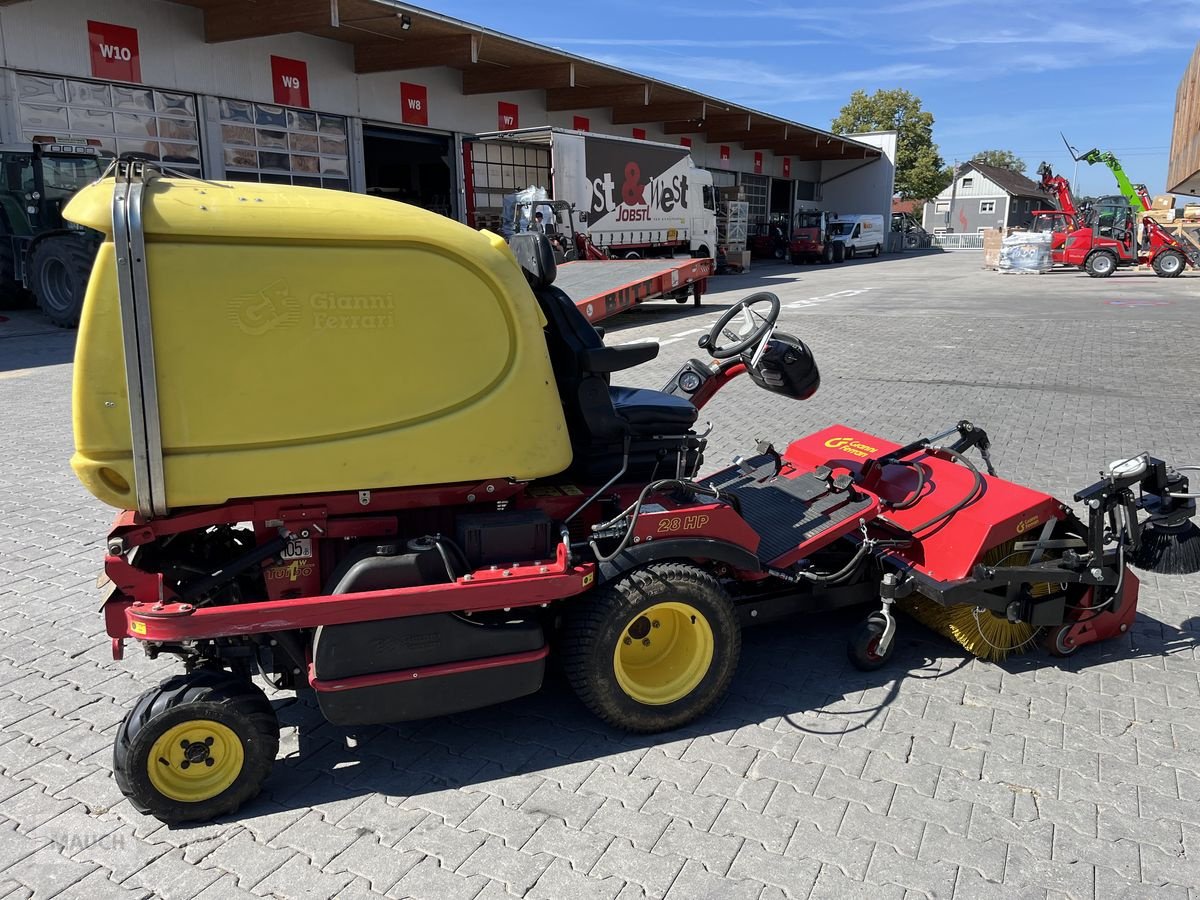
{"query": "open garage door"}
pixel 411 166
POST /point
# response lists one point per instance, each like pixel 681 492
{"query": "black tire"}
pixel 781 253
pixel 876 250
pixel 204 697
pixel 598 626
pixel 1100 264
pixel 839 252
pixel 1169 264
pixel 631 254
pixel 702 252
pixel 851 252
pixel 796 259
pixel 863 647
pixel 829 252
pixel 59 268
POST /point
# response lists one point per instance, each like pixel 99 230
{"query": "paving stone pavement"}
pixel 937 776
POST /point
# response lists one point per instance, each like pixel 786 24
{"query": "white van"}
pixel 862 235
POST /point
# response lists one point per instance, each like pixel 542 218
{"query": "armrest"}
pixel 603 360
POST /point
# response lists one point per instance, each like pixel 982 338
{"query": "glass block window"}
pixel 114 118
pixel 499 168
pixel 757 192
pixel 279 145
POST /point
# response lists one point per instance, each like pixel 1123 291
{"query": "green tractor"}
pixel 43 257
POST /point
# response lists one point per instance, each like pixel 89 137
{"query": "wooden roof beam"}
pixel 563 99
pixel 457 51
pixel 239 21
pixel 496 79
pixel 659 112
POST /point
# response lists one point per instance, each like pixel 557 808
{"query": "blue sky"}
pixel 1003 75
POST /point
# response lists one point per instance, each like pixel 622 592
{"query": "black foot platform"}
pixel 786 512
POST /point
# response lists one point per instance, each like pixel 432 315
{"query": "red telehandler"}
pixel 1060 222
pixel 1102 237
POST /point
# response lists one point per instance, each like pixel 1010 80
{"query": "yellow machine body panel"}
pixel 309 340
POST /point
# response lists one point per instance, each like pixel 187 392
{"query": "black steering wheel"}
pixel 756 324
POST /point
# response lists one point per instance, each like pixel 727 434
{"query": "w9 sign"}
pixel 289 78
pixel 114 52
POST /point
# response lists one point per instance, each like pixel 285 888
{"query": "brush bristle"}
pixel 979 632
pixel 1169 550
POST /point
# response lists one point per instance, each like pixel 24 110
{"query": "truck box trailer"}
pixel 633 198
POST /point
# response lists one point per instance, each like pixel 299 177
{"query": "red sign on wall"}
pixel 582 123
pixel 757 163
pixel 639 134
pixel 506 114
pixel 787 167
pixel 414 104
pixel 114 51
pixel 686 141
pixel 724 156
pixel 289 78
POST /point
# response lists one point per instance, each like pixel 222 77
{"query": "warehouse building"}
pixel 377 96
pixel 1183 169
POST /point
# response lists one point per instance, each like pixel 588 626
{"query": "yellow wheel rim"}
pixel 195 760
pixel 663 653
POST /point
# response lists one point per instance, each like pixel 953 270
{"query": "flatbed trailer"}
pixel 603 288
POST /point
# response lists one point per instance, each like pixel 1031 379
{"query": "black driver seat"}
pixel 601 417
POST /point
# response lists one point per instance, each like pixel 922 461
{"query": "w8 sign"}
pixel 114 51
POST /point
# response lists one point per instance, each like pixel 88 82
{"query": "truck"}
pixel 812 238
pixel 632 198
pixel 43 257
pixel 860 234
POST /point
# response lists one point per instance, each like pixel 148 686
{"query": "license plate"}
pixel 297 548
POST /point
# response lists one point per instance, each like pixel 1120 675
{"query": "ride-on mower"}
pixel 362 450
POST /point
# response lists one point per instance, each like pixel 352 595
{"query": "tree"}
pixel 1001 159
pixel 921 173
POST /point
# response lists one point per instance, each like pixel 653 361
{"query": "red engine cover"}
pixel 948 550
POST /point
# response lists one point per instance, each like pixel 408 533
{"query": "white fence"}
pixel 958 241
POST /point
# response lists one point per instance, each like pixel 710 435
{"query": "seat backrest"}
pixel 12 207
pixel 535 257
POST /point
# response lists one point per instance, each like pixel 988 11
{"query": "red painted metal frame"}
pixel 676 275
pixel 336 685
pixel 1090 626
pixel 519 586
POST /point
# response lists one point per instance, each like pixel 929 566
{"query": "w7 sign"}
pixel 114 51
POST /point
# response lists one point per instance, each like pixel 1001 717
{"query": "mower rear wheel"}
pixel 863 646
pixel 653 649
pixel 1100 264
pixel 1169 264
pixel 196 747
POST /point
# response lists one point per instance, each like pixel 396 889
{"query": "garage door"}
pixel 116 118
pixel 757 190
pixel 280 145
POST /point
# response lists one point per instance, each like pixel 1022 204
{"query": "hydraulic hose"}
pixel 844 572
pixel 975 492
pixel 632 511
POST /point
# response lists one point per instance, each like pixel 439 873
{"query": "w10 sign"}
pixel 289 78
pixel 114 51
pixel 414 104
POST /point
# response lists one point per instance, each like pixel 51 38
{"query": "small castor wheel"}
pixel 1060 642
pixel 867 648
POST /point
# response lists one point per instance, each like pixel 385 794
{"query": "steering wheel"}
pixel 756 324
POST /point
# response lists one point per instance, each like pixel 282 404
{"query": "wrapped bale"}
pixel 1026 252
pixel 309 341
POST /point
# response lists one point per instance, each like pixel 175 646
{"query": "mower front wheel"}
pixel 863 648
pixel 653 649
pixel 196 747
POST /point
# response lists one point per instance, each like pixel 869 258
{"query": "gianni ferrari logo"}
pixel 851 446
pixel 1027 524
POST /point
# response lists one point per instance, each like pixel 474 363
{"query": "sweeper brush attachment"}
pixel 1169 542
pixel 979 631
